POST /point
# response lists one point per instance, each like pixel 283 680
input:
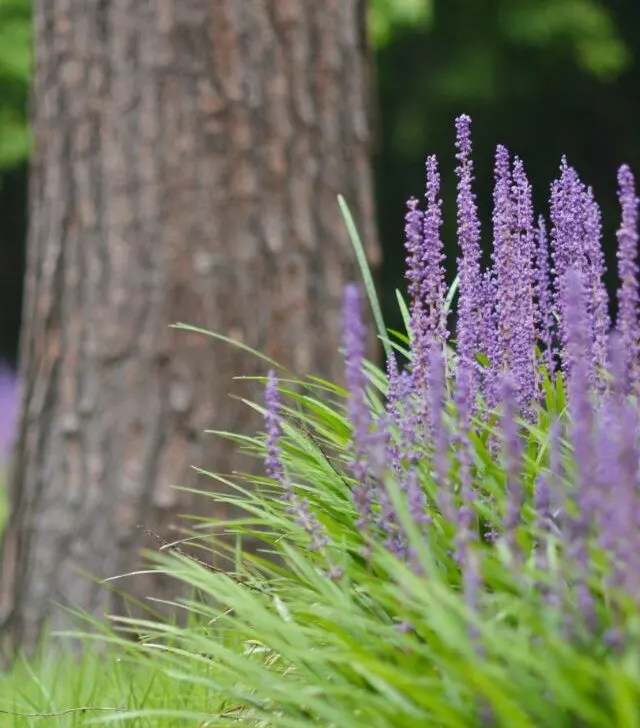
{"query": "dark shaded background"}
pixel 544 77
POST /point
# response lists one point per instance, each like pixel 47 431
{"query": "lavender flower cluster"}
pixel 536 317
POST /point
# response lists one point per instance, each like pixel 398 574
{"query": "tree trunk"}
pixel 188 154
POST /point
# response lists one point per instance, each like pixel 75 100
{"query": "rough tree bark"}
pixel 188 154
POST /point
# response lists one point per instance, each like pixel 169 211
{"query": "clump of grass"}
pixel 456 534
pixel 59 691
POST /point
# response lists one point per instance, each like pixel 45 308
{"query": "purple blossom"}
pixel 9 400
pixel 471 296
pixel 525 340
pixel 549 504
pixel 438 433
pixel 425 275
pixel 358 408
pixel 394 396
pixel 586 494
pixel 505 261
pixel 542 508
pixel 566 231
pixel 566 239
pixel 544 314
pixel 513 277
pixel 416 276
pixel 298 507
pixel 414 245
pixel 403 414
pixel 627 323
pixel 576 236
pixel 466 534
pixel 489 338
pixel 512 448
pixel 619 463
pixel 383 440
pixel 598 298
pixel 434 286
pixel 273 463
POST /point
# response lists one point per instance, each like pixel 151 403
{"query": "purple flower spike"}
pixel 549 503
pixel 416 276
pixel 466 527
pixel 566 231
pixel 544 313
pixel 587 497
pixel 434 287
pixel 627 323
pixel 501 285
pixel 566 239
pixel 299 508
pixel 620 515
pixel 358 409
pixel 490 342
pixel 542 507
pixel 414 244
pixel 576 243
pixel 513 463
pixel 9 401
pixel 524 342
pixel 512 280
pixel 471 293
pixel 439 435
pixel 273 462
pixel 598 298
pixel 425 274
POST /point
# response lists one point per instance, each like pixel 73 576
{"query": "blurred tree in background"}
pixel 544 77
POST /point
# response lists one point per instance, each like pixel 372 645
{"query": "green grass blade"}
pixel 356 242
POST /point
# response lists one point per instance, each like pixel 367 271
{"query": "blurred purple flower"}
pixel 627 323
pixel 467 534
pixel 273 461
pixel 490 339
pixel 512 449
pixel 9 402
pixel 544 313
pixel 598 300
pixel 298 507
pixel 587 497
pixel 438 432
pixel 549 504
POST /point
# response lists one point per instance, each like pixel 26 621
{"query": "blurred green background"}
pixel 544 77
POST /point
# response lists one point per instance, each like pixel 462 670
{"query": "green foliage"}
pixel 586 26
pixel 387 646
pixel 59 691
pixel 15 73
pixel 387 16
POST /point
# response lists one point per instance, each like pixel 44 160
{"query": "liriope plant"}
pixel 451 539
